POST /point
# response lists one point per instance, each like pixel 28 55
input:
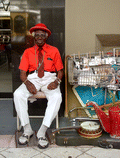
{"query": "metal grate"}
pixel 95 69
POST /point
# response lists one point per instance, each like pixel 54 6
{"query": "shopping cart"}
pixel 95 77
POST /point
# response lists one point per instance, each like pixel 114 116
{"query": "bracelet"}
pixel 58 80
pixel 25 80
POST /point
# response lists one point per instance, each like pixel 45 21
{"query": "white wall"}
pixel 86 18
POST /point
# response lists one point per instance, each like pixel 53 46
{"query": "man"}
pixel 45 74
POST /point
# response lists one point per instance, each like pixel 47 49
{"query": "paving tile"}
pixel 12 142
pixel 1 149
pixel 84 148
pixel 1 156
pixel 5 140
pixel 101 152
pixel 20 152
pixel 62 152
pixel 41 155
pixel 85 156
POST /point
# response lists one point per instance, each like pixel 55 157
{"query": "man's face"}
pixel 40 38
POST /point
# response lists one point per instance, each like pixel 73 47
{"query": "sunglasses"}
pixel 43 36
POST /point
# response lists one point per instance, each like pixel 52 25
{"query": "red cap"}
pixel 40 26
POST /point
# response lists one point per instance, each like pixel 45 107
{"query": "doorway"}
pixel 49 12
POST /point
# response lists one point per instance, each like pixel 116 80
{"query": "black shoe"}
pixel 43 143
pixel 26 139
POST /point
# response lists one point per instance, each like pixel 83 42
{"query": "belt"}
pixel 37 71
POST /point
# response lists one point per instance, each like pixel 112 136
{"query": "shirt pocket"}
pixel 48 63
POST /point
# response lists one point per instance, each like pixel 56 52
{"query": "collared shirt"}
pixel 52 59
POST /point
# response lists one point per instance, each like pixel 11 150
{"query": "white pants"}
pixel 54 98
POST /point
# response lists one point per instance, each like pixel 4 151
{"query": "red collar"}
pixel 43 47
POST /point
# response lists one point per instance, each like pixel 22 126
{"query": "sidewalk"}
pixel 8 150
pixel 8 147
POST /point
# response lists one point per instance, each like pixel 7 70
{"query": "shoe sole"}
pixel 43 147
pixel 25 142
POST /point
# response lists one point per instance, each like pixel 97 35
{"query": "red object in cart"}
pixel 111 122
pixel 114 114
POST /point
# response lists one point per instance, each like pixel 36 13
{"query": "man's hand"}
pixel 30 86
pixel 53 85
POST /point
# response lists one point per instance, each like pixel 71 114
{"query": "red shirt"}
pixel 52 59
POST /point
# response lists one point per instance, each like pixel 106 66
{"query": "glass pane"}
pixel 5 54
pixel 26 15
